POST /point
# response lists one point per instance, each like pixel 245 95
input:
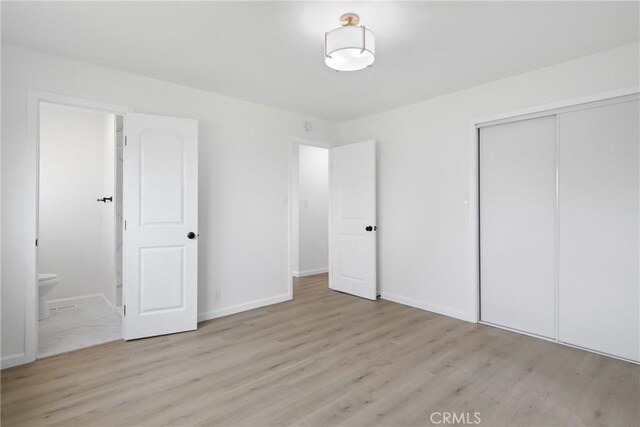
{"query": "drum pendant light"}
pixel 350 47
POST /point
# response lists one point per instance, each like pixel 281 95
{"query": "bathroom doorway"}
pixel 79 246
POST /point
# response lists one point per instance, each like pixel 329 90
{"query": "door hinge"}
pixel 125 225
pixel 125 140
pixel 124 310
pixel 36 242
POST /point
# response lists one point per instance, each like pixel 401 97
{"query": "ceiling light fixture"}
pixel 350 47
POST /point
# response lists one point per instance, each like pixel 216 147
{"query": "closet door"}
pixel 598 229
pixel 518 225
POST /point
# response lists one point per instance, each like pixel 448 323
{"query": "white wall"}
pixel 425 159
pixel 313 210
pixel 76 234
pixel 243 181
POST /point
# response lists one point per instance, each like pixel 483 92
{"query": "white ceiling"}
pixel 272 52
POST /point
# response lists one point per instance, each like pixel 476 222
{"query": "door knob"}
pixel 191 235
pixel 369 228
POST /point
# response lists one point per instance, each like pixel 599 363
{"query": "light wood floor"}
pixel 324 359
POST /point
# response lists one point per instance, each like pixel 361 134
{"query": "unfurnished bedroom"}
pixel 318 213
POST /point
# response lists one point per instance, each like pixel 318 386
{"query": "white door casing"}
pixel 352 240
pixel 160 210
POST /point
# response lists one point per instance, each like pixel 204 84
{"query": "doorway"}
pixel 79 245
pixel 333 202
pixel 158 187
pixel 309 215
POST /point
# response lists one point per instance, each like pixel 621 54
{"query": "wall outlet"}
pixel 218 295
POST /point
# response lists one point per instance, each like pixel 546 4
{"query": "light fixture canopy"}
pixel 350 47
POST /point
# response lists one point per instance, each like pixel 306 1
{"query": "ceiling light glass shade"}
pixel 350 48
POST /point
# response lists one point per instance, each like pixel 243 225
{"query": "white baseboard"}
pixel 226 311
pixel 14 360
pixel 412 302
pixel 309 272
pixel 71 299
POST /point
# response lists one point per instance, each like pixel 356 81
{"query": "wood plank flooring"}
pixel 323 359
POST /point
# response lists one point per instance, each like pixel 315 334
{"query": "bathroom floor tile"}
pixel 78 323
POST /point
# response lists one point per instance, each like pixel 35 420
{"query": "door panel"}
pixel 161 178
pixel 162 279
pixel 353 209
pixel 517 225
pixel 160 209
pixel 599 296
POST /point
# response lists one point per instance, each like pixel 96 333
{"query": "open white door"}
pixel 352 240
pixel 161 225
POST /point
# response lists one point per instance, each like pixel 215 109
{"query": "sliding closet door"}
pixel 517 225
pixel 598 229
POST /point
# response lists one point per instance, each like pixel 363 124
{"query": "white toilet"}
pixel 46 282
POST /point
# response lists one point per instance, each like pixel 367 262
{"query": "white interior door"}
pixel 352 241
pixel 599 291
pixel 161 225
pixel 517 225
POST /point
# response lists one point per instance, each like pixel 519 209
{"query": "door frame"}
pixel 553 108
pixel 34 98
pixel 293 180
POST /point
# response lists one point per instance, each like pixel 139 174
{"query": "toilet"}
pixel 46 282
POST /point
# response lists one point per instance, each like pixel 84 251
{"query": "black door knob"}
pixel 191 235
pixel 369 228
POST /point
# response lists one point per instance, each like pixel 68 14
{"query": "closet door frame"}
pixel 473 199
